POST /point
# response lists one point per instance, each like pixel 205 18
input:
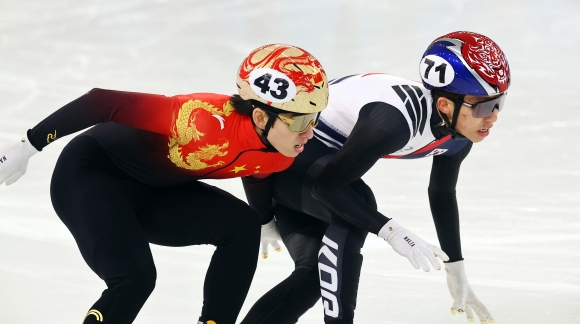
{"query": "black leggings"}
pixel 113 219
pixel 308 229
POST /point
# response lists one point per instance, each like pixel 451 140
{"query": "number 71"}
pixel 440 68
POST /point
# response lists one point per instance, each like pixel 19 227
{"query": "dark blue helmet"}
pixel 465 63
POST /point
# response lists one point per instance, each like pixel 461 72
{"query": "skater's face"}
pixel 286 141
pixel 475 129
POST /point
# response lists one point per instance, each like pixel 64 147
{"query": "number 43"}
pixel 263 83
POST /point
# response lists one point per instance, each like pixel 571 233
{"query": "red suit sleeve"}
pixel 154 113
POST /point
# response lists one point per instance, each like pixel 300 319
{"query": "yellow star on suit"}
pixel 237 169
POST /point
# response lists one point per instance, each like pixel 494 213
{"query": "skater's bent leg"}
pixel 124 261
pixel 95 204
pixel 290 299
pixel 230 274
pixel 340 263
pixel 198 213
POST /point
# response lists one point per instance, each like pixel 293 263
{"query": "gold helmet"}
pixel 285 77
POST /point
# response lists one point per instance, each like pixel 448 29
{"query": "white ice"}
pixel 518 191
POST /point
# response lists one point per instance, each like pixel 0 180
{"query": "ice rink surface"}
pixel 518 191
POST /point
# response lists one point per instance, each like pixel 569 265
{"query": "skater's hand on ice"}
pixel 14 158
pixel 464 299
pixel 270 236
pixel 411 246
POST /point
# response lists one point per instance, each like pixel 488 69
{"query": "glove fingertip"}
pixel 414 262
pixel 264 249
pixel 279 249
pixel 442 255
pixel 264 255
pixel 470 319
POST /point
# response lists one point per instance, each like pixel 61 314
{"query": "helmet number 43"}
pixel 272 85
pixel 436 71
pixel 264 81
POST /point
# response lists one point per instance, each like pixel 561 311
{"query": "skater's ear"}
pixel 445 105
pixel 260 118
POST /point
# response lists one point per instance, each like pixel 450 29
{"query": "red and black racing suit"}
pixel 132 180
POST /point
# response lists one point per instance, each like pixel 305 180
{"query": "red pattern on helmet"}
pixel 281 63
pixel 484 56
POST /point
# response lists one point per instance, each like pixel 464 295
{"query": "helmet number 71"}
pixel 440 68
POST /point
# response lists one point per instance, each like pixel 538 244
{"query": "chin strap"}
pixel 452 131
pixel 450 125
pixel 269 124
pixel 266 130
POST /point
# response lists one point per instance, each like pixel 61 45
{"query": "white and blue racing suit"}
pixel 323 208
